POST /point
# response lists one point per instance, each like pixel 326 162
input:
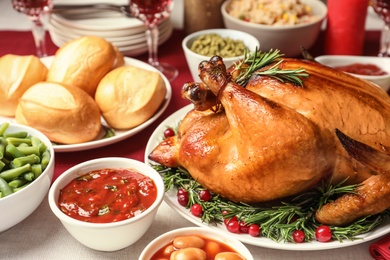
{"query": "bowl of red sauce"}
pixel 373 69
pixel 195 243
pixel 107 204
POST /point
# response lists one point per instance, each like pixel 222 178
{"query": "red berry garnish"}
pixel 323 234
pixel 196 210
pixel 254 230
pixel 182 191
pixel 227 220
pixel 182 197
pixel 298 236
pixel 204 195
pixel 244 227
pixel 232 226
pixel 169 132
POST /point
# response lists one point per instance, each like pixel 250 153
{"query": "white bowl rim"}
pixel 356 59
pixel 321 17
pixel 63 217
pixel 50 165
pixel 200 230
pixel 217 31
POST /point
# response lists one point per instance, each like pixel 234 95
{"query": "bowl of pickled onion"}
pixel 107 204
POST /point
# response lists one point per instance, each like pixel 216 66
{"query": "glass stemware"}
pixel 35 10
pixel 382 8
pixel 152 13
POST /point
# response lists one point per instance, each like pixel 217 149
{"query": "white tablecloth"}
pixel 41 236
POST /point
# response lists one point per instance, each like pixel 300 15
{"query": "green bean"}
pixel 3 144
pixel 28 176
pixel 31 159
pixel 20 134
pixel 2 164
pixel 13 151
pixel 23 158
pixel 11 174
pixel 36 142
pixel 3 127
pixel 37 170
pixel 22 187
pixel 17 183
pixel 17 141
pixel 28 150
pixel 5 188
pixel 45 159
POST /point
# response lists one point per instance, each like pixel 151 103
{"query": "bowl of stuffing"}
pixel 283 25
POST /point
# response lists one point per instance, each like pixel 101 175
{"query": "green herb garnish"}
pixel 277 222
pixel 258 62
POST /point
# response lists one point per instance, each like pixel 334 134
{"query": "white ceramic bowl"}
pixel 107 236
pixel 382 81
pixel 289 38
pixel 214 234
pixel 193 59
pixel 19 205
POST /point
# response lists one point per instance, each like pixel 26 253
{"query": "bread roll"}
pixel 65 114
pixel 128 96
pixel 119 60
pixel 17 74
pixel 82 63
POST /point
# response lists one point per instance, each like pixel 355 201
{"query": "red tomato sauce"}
pixel 107 195
pixel 362 69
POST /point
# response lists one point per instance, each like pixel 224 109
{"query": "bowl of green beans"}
pixel 229 44
pixel 26 172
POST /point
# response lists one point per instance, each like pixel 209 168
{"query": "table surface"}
pixel 42 236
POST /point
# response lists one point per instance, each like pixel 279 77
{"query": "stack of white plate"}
pixel 128 34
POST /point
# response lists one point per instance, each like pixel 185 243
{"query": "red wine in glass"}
pixel 152 13
pixel 382 8
pixel 35 10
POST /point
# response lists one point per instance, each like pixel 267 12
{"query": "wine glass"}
pixel 152 13
pixel 382 8
pixel 35 10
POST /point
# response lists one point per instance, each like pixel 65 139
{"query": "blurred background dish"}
pixel 193 58
pixel 287 38
pixel 381 63
pixel 128 34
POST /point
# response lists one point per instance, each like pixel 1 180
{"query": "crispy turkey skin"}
pixel 272 139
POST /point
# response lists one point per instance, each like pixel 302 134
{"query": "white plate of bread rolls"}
pixel 85 96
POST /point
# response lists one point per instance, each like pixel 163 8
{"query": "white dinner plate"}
pixel 53 23
pixel 119 134
pixel 63 35
pixel 171 199
pixel 99 22
pixel 106 30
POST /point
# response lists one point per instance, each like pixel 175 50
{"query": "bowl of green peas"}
pixel 26 172
pixel 229 44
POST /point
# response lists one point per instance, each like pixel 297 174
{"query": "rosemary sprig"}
pixel 257 62
pixel 277 222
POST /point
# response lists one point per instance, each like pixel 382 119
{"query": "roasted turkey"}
pixel 271 139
